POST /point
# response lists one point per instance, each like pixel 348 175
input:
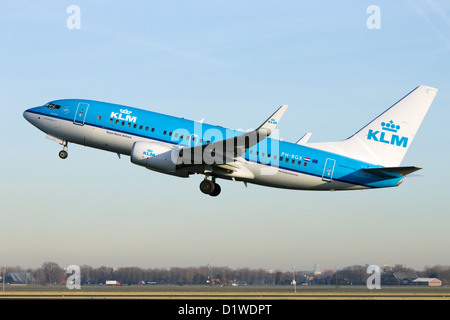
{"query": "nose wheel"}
pixel 63 153
pixel 210 187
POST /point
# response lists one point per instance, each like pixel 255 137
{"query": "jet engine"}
pixel 156 156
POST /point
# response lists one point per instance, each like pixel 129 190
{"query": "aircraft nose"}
pixel 26 115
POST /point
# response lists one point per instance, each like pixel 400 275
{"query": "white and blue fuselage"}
pixel 145 135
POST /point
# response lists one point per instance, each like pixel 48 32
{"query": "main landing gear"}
pixel 63 153
pixel 210 187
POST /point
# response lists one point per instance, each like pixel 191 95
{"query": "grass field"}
pixel 226 292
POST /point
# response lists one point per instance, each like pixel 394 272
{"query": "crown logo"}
pixel 125 111
pixel 390 126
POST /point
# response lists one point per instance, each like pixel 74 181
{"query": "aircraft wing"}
pixel 228 149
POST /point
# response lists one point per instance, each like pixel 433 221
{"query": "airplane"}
pixel 368 159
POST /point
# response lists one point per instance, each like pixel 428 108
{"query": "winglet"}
pixel 273 120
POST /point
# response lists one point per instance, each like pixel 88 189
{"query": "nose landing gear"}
pixel 63 153
pixel 210 187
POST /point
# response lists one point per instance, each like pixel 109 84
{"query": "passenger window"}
pixel 99 117
pixel 305 163
pixel 164 132
pixel 140 127
pixel 129 124
pixel 299 162
pixel 117 121
pixel 123 123
pixel 281 158
pixel 134 125
pixel 176 135
pixel 293 161
pixel 146 128
pixel 153 130
pixel 275 157
pixel 287 159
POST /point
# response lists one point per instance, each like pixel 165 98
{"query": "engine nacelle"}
pixel 156 156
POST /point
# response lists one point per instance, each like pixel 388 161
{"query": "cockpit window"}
pixel 52 106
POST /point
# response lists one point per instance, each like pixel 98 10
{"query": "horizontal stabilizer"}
pixel 395 172
pixel 303 140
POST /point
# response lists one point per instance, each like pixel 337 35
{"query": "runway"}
pixel 224 293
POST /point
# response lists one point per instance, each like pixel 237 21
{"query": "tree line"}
pixel 52 273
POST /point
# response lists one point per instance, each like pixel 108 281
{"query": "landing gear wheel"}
pixel 207 186
pixel 63 154
pixel 216 191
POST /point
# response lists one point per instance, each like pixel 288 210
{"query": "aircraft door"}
pixel 328 170
pixel 80 114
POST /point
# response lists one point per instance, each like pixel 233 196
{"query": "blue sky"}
pixel 232 63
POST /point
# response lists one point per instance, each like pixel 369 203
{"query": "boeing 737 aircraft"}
pixel 370 158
